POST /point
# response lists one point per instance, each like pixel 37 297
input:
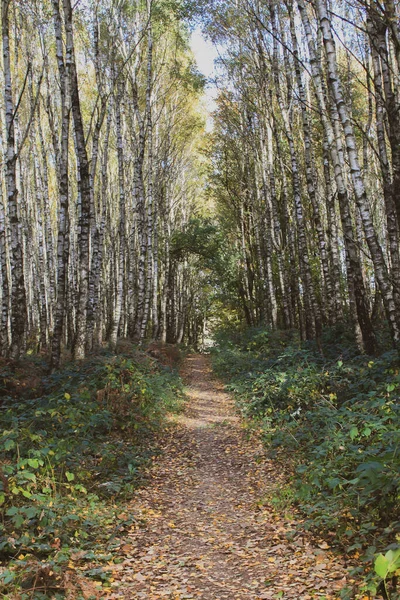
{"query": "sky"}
pixel 205 53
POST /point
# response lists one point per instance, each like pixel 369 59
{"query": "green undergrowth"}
pixel 69 457
pixel 335 419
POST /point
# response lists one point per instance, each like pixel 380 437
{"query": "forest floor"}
pixel 207 530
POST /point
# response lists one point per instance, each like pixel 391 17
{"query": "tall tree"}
pixel 16 285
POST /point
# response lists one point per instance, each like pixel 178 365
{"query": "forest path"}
pixel 205 534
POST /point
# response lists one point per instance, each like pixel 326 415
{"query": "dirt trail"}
pixel 205 534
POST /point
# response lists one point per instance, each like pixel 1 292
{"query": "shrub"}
pixel 338 416
pixel 68 455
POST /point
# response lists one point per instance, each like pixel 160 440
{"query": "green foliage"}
pixel 337 417
pixel 387 564
pixel 387 567
pixel 200 237
pixel 381 579
pixel 71 454
pixel 240 355
pixel 213 264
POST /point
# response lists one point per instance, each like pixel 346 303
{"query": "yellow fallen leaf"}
pixel 324 546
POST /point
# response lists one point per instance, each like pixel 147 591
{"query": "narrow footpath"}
pixel 205 533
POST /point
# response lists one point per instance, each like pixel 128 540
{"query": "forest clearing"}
pixel 200 299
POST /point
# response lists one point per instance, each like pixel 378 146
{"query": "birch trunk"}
pixel 354 271
pixel 121 243
pixel 149 233
pixel 332 232
pixel 84 188
pixel 48 224
pixel 139 198
pixel 16 283
pixel 311 309
pixel 98 244
pixel 63 192
pixel 165 293
pixel 377 34
pixel 375 249
pixel 5 283
pixel 327 288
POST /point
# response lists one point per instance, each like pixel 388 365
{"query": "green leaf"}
pixel 393 558
pixel 33 462
pixel 32 512
pixel 81 488
pixel 381 566
pixel 353 481
pixel 18 520
pixel 9 445
pixel 67 396
pixel 7 577
pixel 12 511
pixel 353 432
pixel 29 476
pixel 69 476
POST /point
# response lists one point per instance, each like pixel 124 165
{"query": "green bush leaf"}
pixel 9 445
pixel 12 511
pixel 381 566
pixel 31 512
pixel 353 432
pixel 393 558
pixel 7 577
